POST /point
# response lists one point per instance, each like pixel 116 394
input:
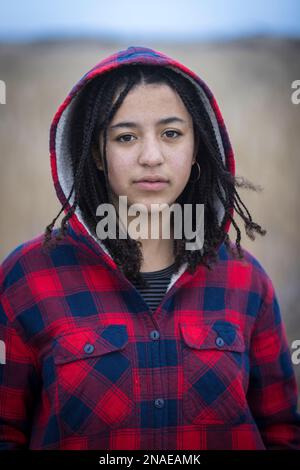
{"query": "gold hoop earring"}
pixel 198 177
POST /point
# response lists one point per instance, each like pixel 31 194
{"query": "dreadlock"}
pixel 94 109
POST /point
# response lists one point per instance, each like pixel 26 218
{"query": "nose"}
pixel 151 153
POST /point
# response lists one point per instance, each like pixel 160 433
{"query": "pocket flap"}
pixel 218 334
pixel 85 342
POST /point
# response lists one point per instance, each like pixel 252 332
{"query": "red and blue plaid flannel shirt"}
pixel 88 366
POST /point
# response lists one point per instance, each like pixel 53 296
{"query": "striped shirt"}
pixel 158 282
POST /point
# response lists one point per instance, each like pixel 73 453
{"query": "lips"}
pixel 152 179
pixel 151 185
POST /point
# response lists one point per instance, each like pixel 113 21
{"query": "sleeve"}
pixel 272 391
pixel 18 384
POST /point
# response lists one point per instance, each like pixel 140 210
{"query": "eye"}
pixel 118 139
pixel 172 131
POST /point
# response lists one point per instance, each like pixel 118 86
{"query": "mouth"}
pixel 151 185
pixel 153 182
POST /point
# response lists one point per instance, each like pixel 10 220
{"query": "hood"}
pixel 60 129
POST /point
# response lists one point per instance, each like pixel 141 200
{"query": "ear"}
pixel 96 156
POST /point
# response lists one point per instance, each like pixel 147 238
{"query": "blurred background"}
pixel 247 52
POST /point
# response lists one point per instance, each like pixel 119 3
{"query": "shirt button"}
pixel 88 348
pixel 159 403
pixel 220 342
pixel 154 334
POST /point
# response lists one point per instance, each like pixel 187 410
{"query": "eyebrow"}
pixel 167 120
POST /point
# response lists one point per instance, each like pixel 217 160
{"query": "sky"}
pixel 169 19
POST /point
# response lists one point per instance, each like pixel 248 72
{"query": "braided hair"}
pixel 93 111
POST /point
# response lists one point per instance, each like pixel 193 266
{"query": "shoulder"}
pixel 31 257
pixel 249 260
pixel 247 271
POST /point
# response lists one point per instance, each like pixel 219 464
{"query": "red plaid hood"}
pixel 60 128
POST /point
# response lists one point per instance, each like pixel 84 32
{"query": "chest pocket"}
pixel 213 373
pixel 94 379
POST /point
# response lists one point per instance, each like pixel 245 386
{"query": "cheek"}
pixel 182 165
pixel 118 171
pixel 181 175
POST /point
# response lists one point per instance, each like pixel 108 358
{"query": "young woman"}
pixel 138 342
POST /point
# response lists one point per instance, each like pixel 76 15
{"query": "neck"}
pixel 157 254
pixel 157 240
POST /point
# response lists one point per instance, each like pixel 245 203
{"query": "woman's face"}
pixel 141 145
